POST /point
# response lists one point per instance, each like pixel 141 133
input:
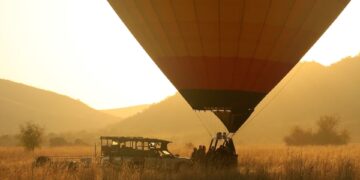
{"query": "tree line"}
pixel 327 133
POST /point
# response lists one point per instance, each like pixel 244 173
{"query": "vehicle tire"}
pixel 41 161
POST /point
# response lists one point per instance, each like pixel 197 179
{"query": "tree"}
pixel 328 132
pixel 31 135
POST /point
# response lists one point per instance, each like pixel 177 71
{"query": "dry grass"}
pixel 255 162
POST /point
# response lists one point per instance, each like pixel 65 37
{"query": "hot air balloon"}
pixel 225 56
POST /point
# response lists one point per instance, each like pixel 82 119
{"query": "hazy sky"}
pixel 80 48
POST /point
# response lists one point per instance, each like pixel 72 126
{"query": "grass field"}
pixel 255 162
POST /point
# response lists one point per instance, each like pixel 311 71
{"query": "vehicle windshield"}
pixel 165 153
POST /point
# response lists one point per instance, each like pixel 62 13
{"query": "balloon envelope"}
pixel 226 55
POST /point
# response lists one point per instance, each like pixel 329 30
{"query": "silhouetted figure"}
pixel 194 154
pixel 201 154
pixel 210 157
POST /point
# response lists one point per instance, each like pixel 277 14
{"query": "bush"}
pixel 299 136
pixel 9 140
pixel 58 141
pixel 327 134
pixel 80 142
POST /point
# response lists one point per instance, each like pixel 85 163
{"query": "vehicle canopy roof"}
pixel 136 139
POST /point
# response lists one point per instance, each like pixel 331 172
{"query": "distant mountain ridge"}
pixel 309 91
pixel 57 113
pixel 126 111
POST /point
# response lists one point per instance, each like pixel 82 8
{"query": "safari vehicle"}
pixel 140 152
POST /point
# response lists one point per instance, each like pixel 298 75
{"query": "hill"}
pixel 309 91
pixel 126 111
pixel 171 119
pixel 57 113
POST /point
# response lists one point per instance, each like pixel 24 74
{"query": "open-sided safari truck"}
pixel 140 152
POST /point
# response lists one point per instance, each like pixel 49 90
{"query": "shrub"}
pixel 58 141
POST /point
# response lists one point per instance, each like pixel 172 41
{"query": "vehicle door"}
pixel 152 160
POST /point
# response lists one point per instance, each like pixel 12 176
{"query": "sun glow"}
pixel 342 39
